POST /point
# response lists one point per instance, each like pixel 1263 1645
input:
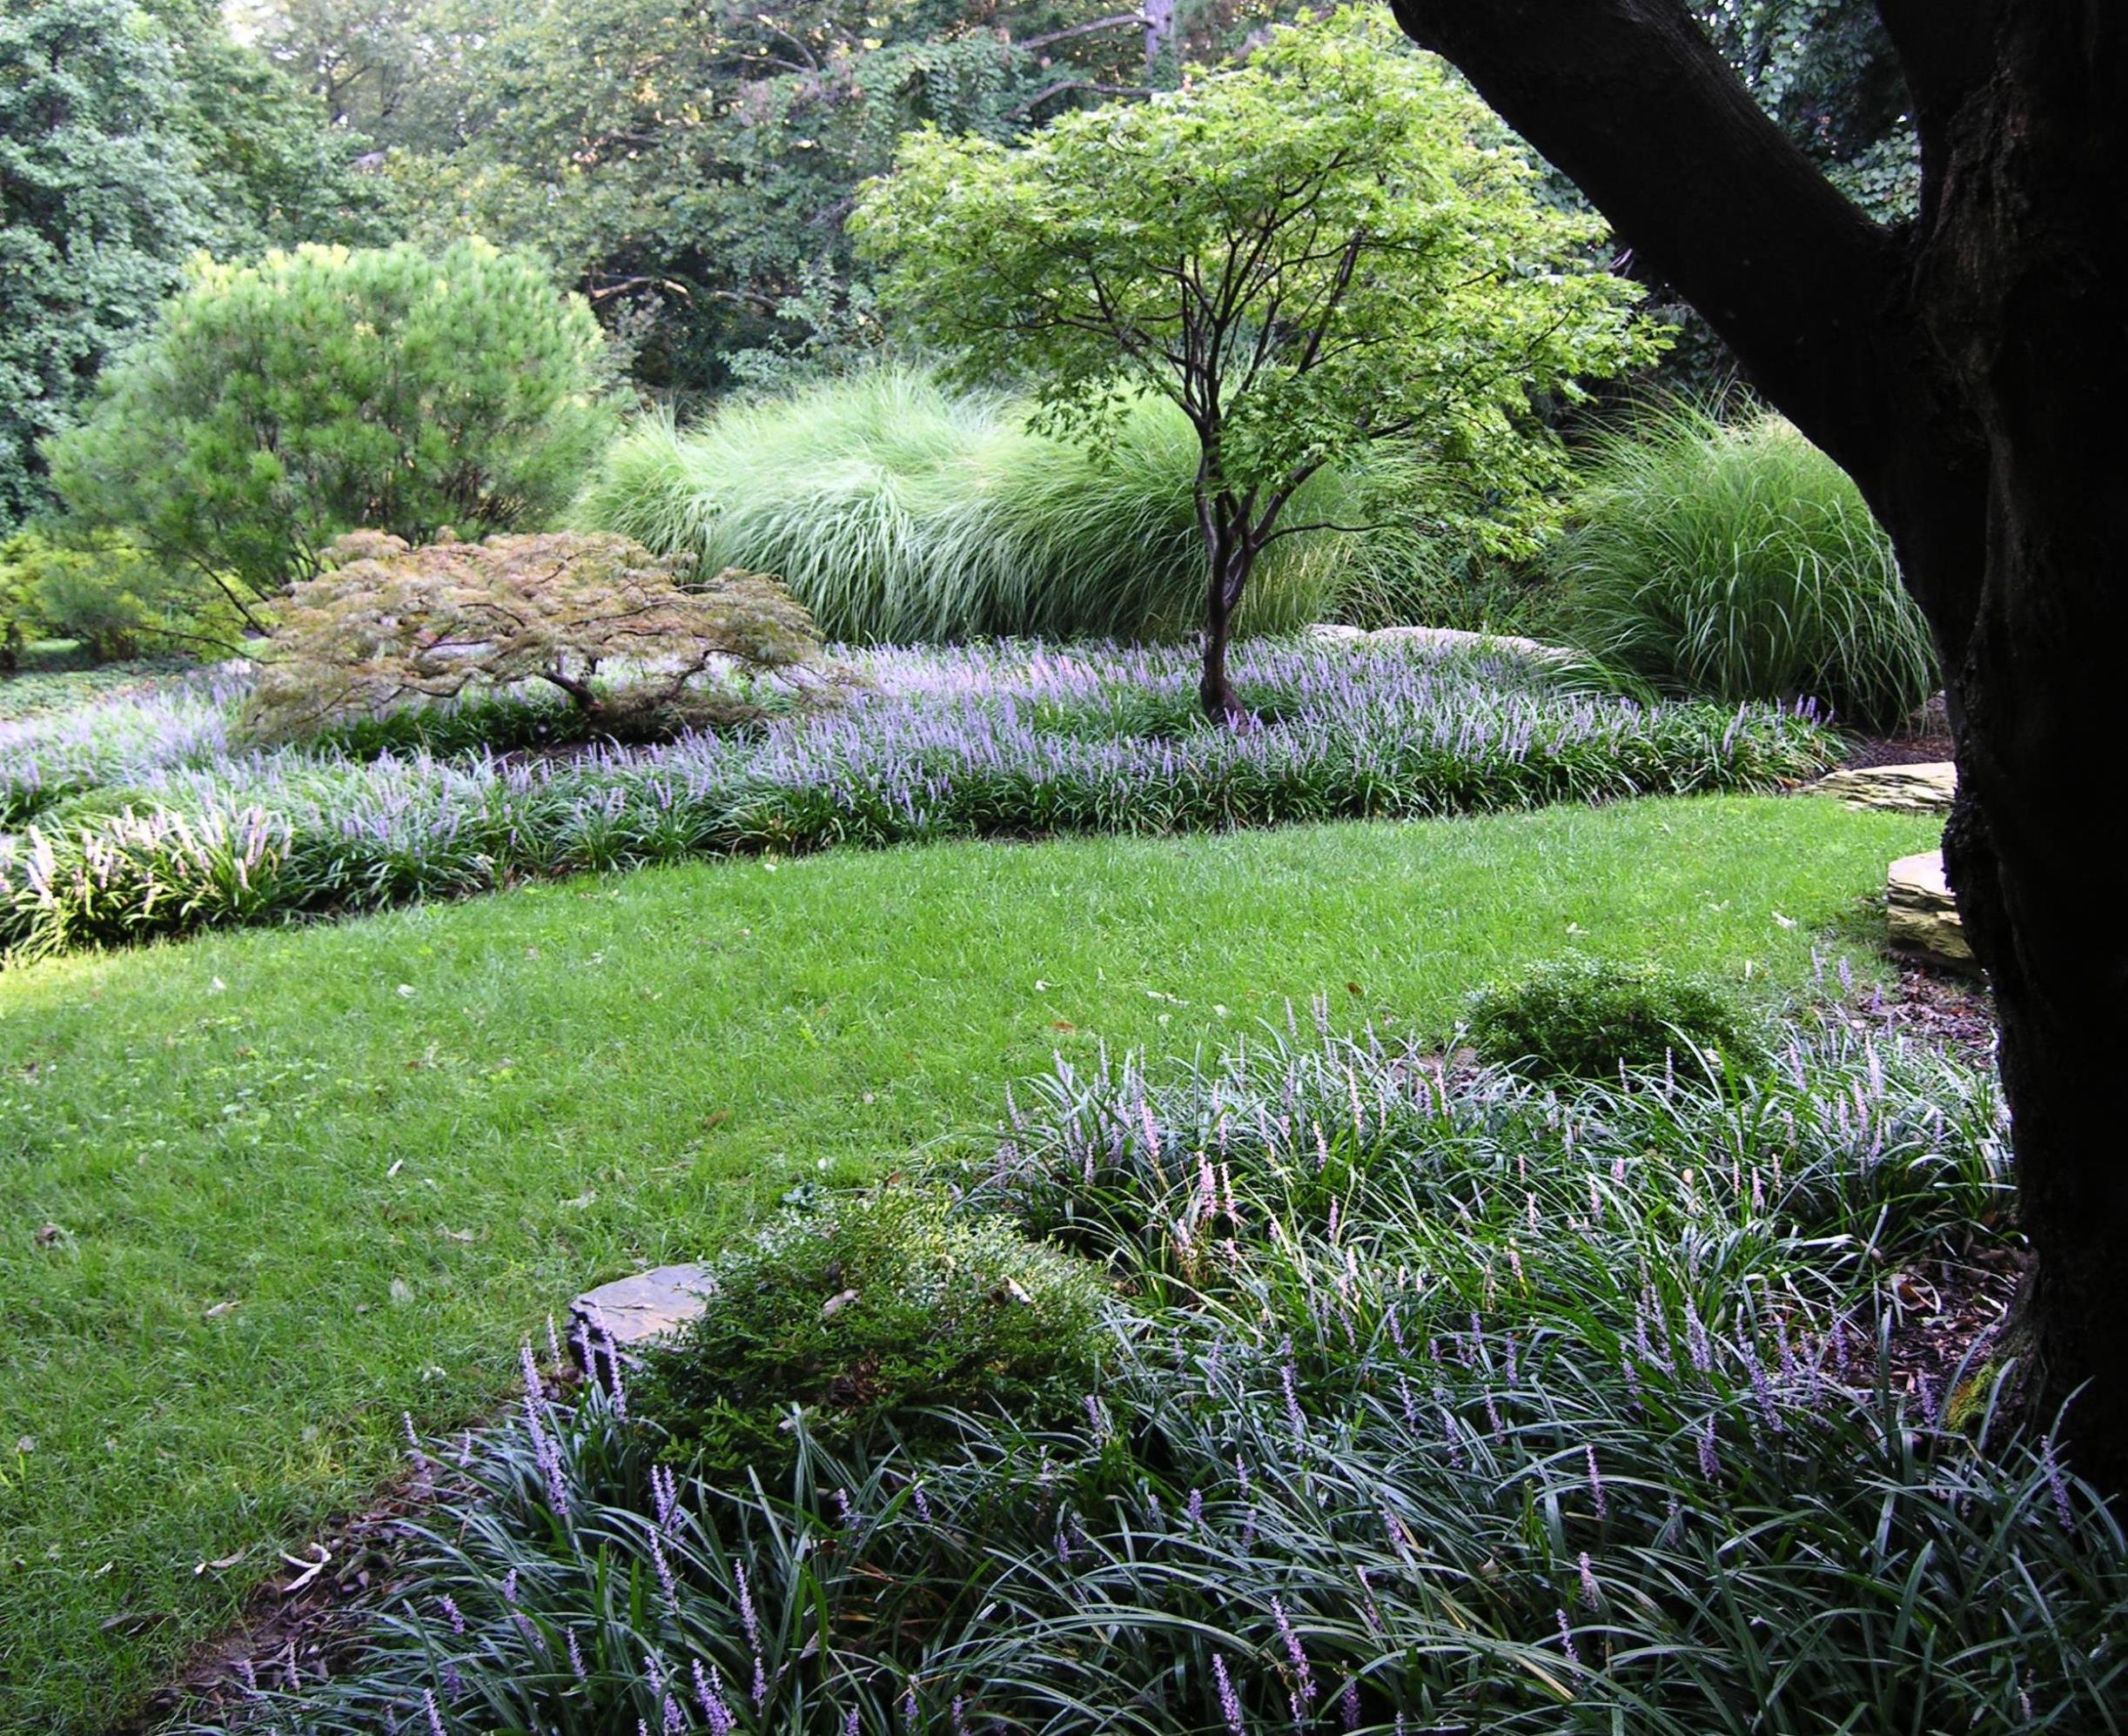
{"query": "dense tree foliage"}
pixel 100 201
pixel 277 406
pixel 1328 246
pixel 691 166
pixel 130 138
pixel 1824 70
pixel 278 172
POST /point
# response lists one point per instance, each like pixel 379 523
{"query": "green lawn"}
pixel 260 1193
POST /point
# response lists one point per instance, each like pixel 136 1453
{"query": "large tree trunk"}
pixel 2019 282
pixel 1970 375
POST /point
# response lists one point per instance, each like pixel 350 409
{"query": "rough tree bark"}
pixel 1230 554
pixel 1970 372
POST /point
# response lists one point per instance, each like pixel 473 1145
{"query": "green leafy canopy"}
pixel 1332 244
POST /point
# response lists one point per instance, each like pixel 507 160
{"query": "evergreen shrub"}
pixel 278 405
pixel 1589 1018
pixel 876 1317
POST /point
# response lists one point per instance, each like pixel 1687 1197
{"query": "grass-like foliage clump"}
pixel 899 511
pixel 1735 559
pixel 1432 1403
pixel 145 822
pixel 874 1319
pixel 1594 1017
pixel 64 749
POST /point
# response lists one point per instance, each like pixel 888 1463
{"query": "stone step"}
pixel 1921 918
pixel 632 1311
pixel 1899 789
pixel 1449 638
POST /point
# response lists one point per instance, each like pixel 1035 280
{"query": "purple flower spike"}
pixel 1230 1702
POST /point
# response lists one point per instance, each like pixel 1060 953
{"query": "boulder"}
pixel 1899 789
pixel 633 1310
pixel 1920 919
pixel 1447 638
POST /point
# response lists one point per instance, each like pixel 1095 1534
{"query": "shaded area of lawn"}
pixel 261 1193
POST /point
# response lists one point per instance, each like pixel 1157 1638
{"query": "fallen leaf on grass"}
pixel 310 1569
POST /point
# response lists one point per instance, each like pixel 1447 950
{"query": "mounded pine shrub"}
pixel 1596 1018
pixel 872 1319
pixel 278 405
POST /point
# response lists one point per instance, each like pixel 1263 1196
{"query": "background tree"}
pixel 278 405
pixel 100 201
pixel 690 167
pixel 361 60
pixel 1967 371
pixel 1329 246
pixel 130 136
pixel 278 171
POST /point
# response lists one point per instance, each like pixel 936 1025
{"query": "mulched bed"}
pixel 1925 744
pixel 1932 1005
pixel 1866 751
pixel 298 1625
pixel 1944 1310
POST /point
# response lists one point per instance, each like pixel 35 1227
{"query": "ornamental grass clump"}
pixel 1432 1402
pixel 869 1320
pixel 899 511
pixel 1000 740
pixel 1600 1018
pixel 1733 559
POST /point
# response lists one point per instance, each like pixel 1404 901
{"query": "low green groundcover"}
pixel 1593 1017
pixel 1437 1403
pixel 874 1317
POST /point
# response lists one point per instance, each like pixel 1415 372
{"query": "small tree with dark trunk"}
pixel 1329 245
pixel 1969 371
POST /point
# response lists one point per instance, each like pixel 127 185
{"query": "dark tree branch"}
pixel 1630 99
pixel 1945 47
pixel 1633 103
pixel 1115 21
pixel 1064 84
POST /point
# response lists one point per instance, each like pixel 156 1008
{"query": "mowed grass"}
pixel 261 1193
